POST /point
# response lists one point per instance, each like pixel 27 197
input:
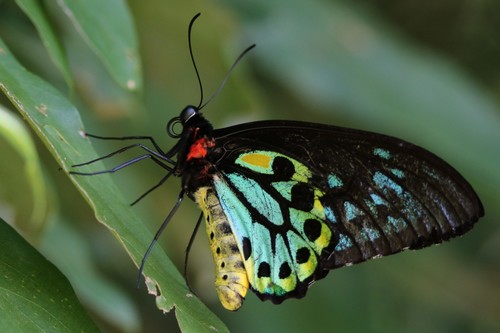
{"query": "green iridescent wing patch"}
pixel 281 235
pixel 302 200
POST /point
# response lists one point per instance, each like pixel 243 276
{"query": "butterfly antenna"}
pixel 192 57
pixel 227 75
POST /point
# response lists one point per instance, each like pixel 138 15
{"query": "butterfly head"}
pixel 188 113
pixel 188 117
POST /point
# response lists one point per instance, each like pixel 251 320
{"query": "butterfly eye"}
pixel 188 113
pixel 171 125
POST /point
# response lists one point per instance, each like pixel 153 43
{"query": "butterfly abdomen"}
pixel 231 281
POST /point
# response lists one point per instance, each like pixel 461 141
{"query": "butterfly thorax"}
pixel 194 151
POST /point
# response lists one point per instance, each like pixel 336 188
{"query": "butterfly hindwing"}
pixel 273 236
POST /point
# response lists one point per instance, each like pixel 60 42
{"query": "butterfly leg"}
pixel 160 183
pixel 158 234
pixel 121 150
pixel 123 138
pixel 123 165
pixel 188 249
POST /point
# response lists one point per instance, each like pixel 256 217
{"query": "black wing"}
pixel 382 194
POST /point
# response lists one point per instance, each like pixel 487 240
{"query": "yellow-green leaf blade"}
pixel 22 183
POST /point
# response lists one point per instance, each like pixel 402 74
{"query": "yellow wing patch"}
pixel 258 160
pixel 261 161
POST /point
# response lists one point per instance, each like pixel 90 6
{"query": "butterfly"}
pixel 285 201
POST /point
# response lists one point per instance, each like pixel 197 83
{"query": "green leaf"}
pixel 22 183
pixel 108 29
pixel 58 124
pixel 91 286
pixel 34 295
pixel 34 10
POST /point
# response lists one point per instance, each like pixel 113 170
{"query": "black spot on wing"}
pixel 302 255
pixel 302 197
pixel 247 248
pixel 285 270
pixel 312 229
pixel 283 168
pixel 264 270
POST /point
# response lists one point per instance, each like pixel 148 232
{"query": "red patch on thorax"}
pixel 199 148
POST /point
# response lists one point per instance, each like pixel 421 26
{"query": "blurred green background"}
pixel 425 72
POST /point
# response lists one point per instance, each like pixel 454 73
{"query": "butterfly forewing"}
pixel 306 198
